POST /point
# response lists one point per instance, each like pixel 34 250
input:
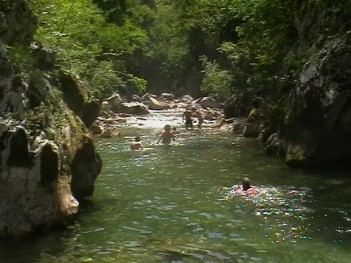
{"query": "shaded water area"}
pixel 175 204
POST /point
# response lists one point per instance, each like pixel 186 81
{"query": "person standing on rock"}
pixel 188 115
pixel 200 117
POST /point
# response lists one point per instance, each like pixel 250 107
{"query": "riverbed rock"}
pixel 208 102
pixel 113 102
pixel 77 98
pixel 186 99
pixel 167 96
pixel 147 96
pixel 135 108
pixel 155 104
pixel 35 189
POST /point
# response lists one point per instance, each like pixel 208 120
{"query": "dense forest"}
pixel 198 47
pixel 285 52
pixel 293 55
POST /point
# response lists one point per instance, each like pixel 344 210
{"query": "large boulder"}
pixel 37 178
pixel 113 102
pixel 135 108
pixel 167 96
pixel 318 116
pixel 155 104
pixel 208 102
pixel 48 162
pixel 17 22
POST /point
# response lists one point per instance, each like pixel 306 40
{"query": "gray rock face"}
pixel 317 119
pixel 17 22
pixel 48 162
pixel 313 129
pixel 30 188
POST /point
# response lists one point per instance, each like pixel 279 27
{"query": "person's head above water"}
pixel 167 127
pixel 246 184
pixel 137 138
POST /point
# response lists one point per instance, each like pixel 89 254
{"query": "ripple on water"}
pixel 288 207
pixel 174 214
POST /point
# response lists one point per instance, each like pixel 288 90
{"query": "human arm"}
pixel 159 138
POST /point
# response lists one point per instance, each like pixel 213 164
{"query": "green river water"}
pixel 175 205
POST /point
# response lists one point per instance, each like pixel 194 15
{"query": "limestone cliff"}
pixel 316 124
pixel 48 161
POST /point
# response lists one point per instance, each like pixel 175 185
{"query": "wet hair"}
pixel 167 127
pixel 137 138
pixel 246 183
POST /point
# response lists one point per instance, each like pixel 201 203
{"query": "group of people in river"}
pixel 169 134
pixel 188 116
pixel 166 137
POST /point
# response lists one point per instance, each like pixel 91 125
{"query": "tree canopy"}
pixel 197 47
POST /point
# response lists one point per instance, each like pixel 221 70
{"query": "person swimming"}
pixel 246 186
pixel 175 131
pixel 136 144
pixel 166 136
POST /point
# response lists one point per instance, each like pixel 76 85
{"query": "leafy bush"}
pixel 216 82
pixel 80 35
pixel 20 56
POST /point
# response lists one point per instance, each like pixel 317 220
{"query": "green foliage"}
pixel 139 83
pixel 48 116
pixel 139 43
pixel 20 56
pixel 252 39
pixel 80 35
pixel 168 40
pixel 216 82
pixel 103 78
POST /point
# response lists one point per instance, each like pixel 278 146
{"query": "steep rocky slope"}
pixel 313 126
pixel 48 162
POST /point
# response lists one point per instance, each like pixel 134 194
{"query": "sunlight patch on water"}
pixel 289 208
pixel 158 119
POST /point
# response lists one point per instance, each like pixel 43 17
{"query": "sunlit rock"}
pixel 155 104
pixel 167 96
pixel 135 108
pixel 208 102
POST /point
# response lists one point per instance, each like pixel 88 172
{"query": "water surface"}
pixel 175 205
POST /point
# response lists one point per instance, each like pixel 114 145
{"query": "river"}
pixel 174 204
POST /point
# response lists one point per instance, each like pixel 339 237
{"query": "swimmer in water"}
pixel 247 187
pixel 136 144
pixel 175 131
pixel 166 136
pixel 246 184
